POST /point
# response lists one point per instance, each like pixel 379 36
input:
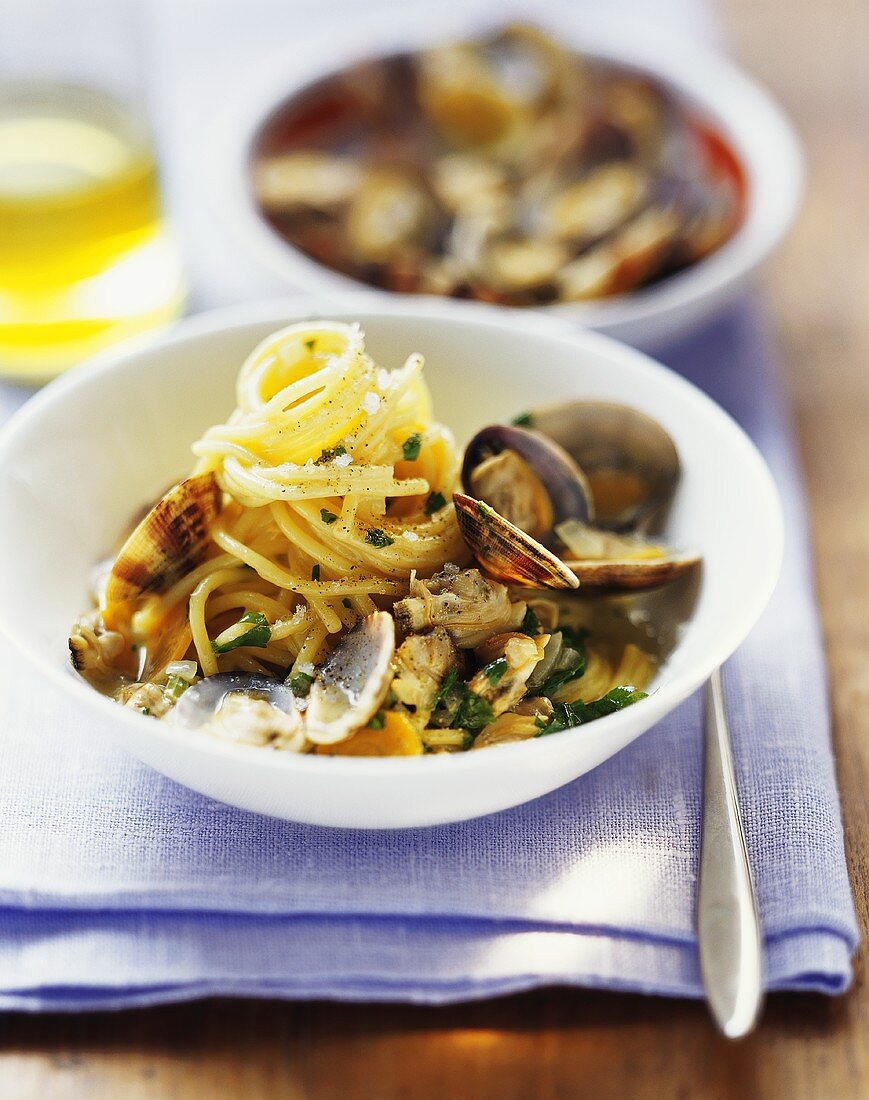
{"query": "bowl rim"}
pixel 279 312
pixel 740 107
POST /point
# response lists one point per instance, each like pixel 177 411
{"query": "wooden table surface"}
pixel 812 54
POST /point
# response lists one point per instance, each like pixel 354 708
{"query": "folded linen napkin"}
pixel 120 888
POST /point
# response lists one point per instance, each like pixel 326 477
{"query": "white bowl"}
pixel 742 111
pixel 86 452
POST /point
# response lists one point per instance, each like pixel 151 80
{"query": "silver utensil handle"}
pixel 728 927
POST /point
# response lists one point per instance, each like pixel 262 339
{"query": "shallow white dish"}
pixel 92 447
pixel 742 111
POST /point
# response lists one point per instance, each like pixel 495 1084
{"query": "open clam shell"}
pixel 172 538
pixel 606 562
pixel 202 701
pixel 352 683
pixel 505 551
pixel 527 478
pixel 630 461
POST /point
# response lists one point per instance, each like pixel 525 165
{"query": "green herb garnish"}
pixel 411 447
pixel 462 708
pixel 530 623
pixel 473 712
pixel 259 633
pixel 568 715
pixel 495 670
pixel 310 344
pixel 328 453
pixel 315 573
pixel 558 679
pixel 445 688
pixel 571 664
pixel 376 537
pixel 175 686
pixel 326 516
pixel 378 721
pixel 435 502
pixel 300 684
pixel 146 711
pixel 523 420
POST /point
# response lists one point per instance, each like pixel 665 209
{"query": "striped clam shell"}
pixel 172 538
pixel 507 553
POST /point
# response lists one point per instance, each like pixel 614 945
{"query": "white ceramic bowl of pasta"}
pixel 740 109
pixel 93 446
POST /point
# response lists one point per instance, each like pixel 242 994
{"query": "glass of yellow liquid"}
pixel 85 257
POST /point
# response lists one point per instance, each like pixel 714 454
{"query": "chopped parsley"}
pixel 146 712
pixel 562 676
pixel 495 670
pixel 328 453
pixel 473 712
pixel 463 708
pixel 435 502
pixel 258 634
pixel 378 721
pixel 326 516
pixel 315 573
pixel 300 684
pixel 530 624
pixel 411 447
pixel 445 688
pixel 310 344
pixel 523 420
pixel 571 664
pixel 376 537
pixel 568 715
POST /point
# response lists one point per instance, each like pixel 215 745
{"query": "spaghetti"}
pixel 339 484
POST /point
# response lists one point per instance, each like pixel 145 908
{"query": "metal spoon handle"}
pixel 727 922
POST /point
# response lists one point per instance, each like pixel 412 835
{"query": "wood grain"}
pixel 574 1044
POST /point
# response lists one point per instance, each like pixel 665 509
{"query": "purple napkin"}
pixel 120 888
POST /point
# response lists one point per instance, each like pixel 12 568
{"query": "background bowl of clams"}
pixel 54 528
pixel 640 218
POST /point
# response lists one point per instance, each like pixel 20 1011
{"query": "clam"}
pixel 305 180
pixel 204 699
pixel 247 708
pixel 633 255
pixel 516 264
pixel 505 551
pixel 462 181
pixel 628 459
pixel 167 642
pixel 607 562
pixel 465 99
pixel 644 112
pixel 596 204
pixel 389 213
pixel 351 684
pixel 567 498
pixel 172 538
pixel 527 478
